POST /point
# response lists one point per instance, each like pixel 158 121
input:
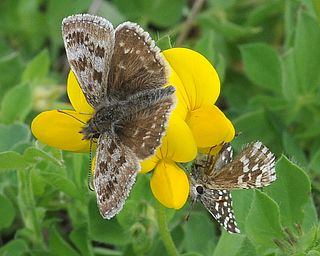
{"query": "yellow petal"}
pixel 181 96
pixel 212 151
pixel 178 143
pixel 60 130
pixel 170 185
pixel 148 164
pixel 199 78
pixel 210 127
pixel 76 95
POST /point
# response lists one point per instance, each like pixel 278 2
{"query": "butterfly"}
pixel 121 73
pixel 212 178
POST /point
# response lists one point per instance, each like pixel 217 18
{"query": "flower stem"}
pixel 28 207
pixel 164 231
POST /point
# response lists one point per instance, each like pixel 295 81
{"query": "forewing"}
pixel 115 172
pixel 254 167
pixel 223 157
pixel 143 132
pixel 89 42
pixel 209 165
pixel 137 63
pixel 219 204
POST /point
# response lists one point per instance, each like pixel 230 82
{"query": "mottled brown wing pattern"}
pixel 89 43
pixel 219 204
pixel 254 167
pixel 145 129
pixel 137 63
pixel 115 172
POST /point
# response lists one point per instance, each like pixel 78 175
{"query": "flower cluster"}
pixel 195 124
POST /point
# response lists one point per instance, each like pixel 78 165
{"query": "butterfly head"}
pixel 102 121
pixel 90 130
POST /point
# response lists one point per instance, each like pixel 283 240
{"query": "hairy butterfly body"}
pixel 121 73
pixel 213 177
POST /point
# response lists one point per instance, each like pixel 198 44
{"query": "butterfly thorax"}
pixel 104 120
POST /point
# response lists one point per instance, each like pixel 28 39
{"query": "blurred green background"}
pixel 267 55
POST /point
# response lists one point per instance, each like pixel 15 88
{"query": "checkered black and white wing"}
pixel 253 167
pixel 115 171
pixel 223 157
pixel 219 204
pixel 207 164
pixel 89 43
pixel 137 64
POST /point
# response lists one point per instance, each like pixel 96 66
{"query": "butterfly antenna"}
pixel 90 181
pixel 186 218
pixel 209 156
pixel 68 114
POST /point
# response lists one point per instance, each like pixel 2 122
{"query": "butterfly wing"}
pixel 254 167
pixel 89 43
pixel 115 172
pixel 144 130
pixel 219 204
pixel 137 63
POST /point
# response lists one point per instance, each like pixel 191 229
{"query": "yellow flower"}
pixel 201 124
pixel 198 87
pixel 195 122
pixel 169 183
pixel 60 130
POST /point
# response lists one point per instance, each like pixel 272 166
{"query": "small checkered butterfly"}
pixel 213 176
pixel 121 73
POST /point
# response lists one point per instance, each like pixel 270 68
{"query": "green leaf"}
pixel 16 104
pixel 12 135
pixel 291 191
pixel 205 45
pixel 11 68
pixel 164 43
pixel 292 149
pixel 33 155
pixel 290 84
pixel 37 69
pixel 223 4
pixel 307 58
pixel 263 221
pixel 58 246
pixel 111 12
pixel 61 183
pixel 166 12
pixel 191 254
pixel 234 245
pixel 7 212
pixel 231 31
pixel 200 223
pixel 241 205
pixel 79 236
pixel 15 247
pixel 105 231
pixel 310 215
pixel 262 130
pixel 262 65
pixel 161 12
pixel 11 160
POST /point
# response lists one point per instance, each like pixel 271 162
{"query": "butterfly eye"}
pixel 199 189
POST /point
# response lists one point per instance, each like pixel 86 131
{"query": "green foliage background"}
pixel 267 55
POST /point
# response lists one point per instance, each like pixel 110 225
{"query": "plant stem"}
pixel 164 231
pixel 28 207
pixel 189 22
